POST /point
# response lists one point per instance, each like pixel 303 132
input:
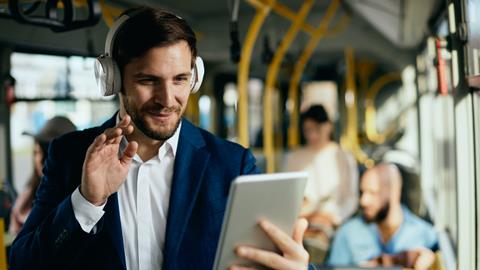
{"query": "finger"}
pixel 97 143
pixel 112 133
pixel 266 258
pixel 128 130
pixel 116 140
pixel 129 152
pixel 301 226
pixel 282 240
pixel 123 127
pixel 124 122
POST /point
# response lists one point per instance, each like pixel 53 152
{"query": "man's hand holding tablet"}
pixel 261 228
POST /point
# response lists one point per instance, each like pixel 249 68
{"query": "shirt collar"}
pixel 169 146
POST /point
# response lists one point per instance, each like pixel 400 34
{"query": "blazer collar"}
pixel 113 224
pixel 190 164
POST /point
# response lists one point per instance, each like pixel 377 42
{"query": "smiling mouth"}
pixel 161 116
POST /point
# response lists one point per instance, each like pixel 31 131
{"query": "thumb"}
pixel 299 230
pixel 129 152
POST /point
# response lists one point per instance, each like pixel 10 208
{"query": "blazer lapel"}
pixel 112 221
pixel 190 163
pixel 114 227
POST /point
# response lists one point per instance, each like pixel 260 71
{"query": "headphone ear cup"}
pixel 117 78
pixel 107 75
pixel 197 73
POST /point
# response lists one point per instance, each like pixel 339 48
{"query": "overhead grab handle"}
pixel 52 18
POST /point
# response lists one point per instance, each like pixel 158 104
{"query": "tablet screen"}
pixel 274 197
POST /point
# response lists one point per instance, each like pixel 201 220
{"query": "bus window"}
pixel 46 86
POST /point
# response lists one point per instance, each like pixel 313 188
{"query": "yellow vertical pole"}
pixel 272 73
pixel 262 11
pixel 192 112
pixel 349 139
pixel 3 251
pixel 293 138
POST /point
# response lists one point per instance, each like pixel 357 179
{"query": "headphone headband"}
pixel 113 32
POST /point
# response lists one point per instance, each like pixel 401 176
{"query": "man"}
pixel 386 233
pixel 146 190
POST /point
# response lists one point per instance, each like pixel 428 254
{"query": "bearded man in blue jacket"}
pixel 147 189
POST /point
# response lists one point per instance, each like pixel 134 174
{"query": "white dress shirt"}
pixel 143 203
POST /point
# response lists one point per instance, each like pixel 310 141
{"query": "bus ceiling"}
pixel 396 27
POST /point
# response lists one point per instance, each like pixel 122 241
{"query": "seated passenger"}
pixel 54 127
pixel 386 233
pixel 331 194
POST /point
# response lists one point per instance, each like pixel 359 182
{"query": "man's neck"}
pixel 147 147
pixel 391 224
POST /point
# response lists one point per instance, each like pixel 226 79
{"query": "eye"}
pixel 146 81
pixel 181 79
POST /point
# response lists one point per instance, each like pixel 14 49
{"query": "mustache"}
pixel 156 108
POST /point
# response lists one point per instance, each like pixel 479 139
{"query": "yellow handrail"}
pixel 293 138
pixel 109 13
pixel 285 12
pixel 262 10
pixel 272 72
pixel 339 27
pixel 3 250
pixel 371 112
pixel 349 139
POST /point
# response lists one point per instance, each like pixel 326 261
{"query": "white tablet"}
pixel 275 197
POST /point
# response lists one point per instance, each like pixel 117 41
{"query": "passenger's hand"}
pixel 103 170
pixel 322 218
pixel 295 257
pixel 425 259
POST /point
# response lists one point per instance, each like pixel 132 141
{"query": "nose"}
pixel 364 200
pixel 163 94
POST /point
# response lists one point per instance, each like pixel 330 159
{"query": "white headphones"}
pixel 107 72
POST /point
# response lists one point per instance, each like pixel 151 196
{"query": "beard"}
pixel 380 216
pixel 139 119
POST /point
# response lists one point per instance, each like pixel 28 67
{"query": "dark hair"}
pixel 44 147
pixel 149 28
pixel 316 113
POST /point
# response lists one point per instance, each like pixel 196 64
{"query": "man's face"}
pixel 374 200
pixel 156 87
pixel 315 133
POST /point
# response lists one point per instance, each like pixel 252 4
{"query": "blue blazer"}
pixel 204 168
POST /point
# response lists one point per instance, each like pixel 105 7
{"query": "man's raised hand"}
pixel 104 170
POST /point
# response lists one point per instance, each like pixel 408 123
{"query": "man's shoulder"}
pixel 416 222
pixel 77 139
pixel 418 232
pixel 214 142
pixel 228 155
pixel 354 225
